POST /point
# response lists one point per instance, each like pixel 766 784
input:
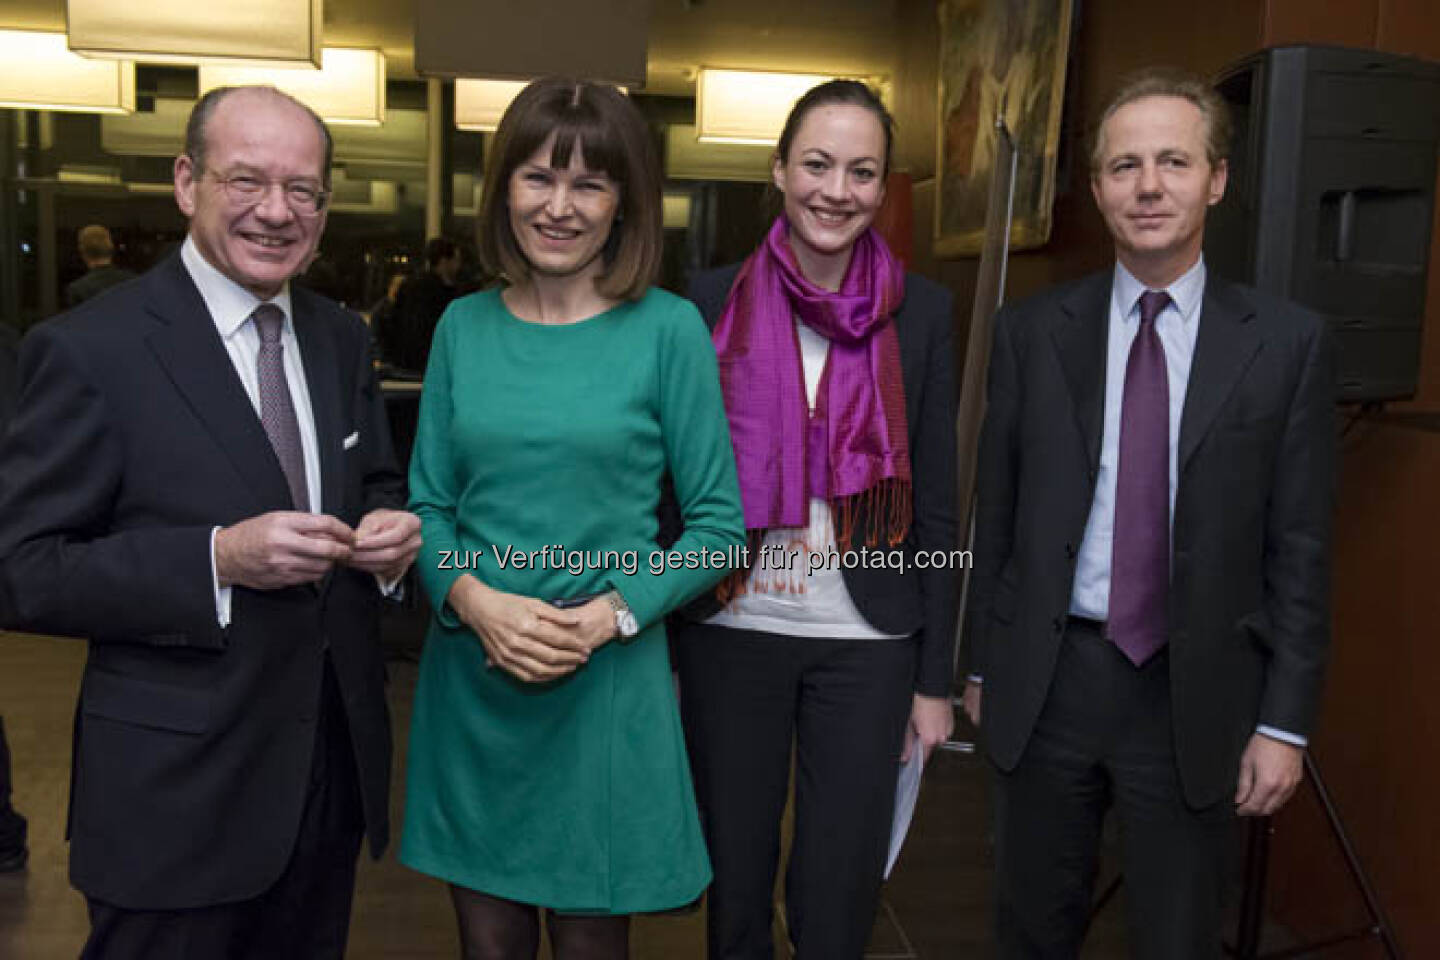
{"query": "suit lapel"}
pixel 319 355
pixel 1080 342
pixel 192 355
pixel 1225 344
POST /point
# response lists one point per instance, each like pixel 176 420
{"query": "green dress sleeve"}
pixel 701 462
pixel 434 491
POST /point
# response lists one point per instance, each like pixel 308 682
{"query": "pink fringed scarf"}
pixel 854 448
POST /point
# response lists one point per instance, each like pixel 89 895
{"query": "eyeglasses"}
pixel 306 197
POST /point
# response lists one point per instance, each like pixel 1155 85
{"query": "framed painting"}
pixel 998 57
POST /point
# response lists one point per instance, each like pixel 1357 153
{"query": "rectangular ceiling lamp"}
pixel 349 87
pixel 688 159
pixel 158 132
pixel 183 31
pixel 479 104
pixel 376 196
pixel 747 106
pixel 675 210
pixel 38 72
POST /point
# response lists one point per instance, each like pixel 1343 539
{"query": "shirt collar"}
pixel 1185 292
pixel 230 304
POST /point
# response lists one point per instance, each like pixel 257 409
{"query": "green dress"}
pixel 575 794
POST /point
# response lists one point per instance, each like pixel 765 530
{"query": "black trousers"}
pixel 1104 738
pixel 745 696
pixel 12 825
pixel 304 916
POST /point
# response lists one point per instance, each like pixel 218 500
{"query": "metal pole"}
pixel 9 224
pixel 989 294
pixel 434 159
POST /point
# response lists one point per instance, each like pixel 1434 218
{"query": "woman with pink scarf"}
pixel 837 371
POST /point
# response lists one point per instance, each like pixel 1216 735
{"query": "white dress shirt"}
pixel 1177 326
pixel 230 306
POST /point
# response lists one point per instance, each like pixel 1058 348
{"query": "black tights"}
pixel 495 929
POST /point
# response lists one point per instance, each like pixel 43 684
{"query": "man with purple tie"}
pixel 1149 610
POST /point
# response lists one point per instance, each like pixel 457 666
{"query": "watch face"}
pixel 625 620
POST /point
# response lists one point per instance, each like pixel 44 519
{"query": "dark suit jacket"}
pixel 192 743
pixel 1249 599
pixel 407 330
pixel 9 383
pixel 922 602
pixel 94 282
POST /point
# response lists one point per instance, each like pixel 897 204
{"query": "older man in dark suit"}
pixel 1149 614
pixel 199 482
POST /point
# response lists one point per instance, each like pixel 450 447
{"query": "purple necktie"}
pixel 1140 562
pixel 277 410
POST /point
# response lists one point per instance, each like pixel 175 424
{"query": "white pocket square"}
pixel 351 440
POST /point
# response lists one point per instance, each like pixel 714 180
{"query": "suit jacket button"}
pixel 1070 551
pixel 1058 624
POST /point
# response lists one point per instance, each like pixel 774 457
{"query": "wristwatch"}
pixel 625 621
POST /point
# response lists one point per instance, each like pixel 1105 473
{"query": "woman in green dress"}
pixel 547 764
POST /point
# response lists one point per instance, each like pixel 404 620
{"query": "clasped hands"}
pixel 529 638
pixel 286 548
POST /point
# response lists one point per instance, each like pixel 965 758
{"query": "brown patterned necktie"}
pixel 277 410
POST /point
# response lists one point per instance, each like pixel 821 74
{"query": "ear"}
pixel 777 173
pixel 1219 176
pixel 186 183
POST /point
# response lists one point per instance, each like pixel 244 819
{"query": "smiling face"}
pixel 259 245
pixel 561 217
pixel 1154 183
pixel 833 182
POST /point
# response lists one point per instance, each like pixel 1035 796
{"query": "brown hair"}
pixel 95 243
pixel 613 138
pixel 1170 82
pixel 851 92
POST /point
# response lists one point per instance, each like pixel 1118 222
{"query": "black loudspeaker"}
pixel 1331 198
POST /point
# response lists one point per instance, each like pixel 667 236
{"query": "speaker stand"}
pixel 1257 864
pixel 1252 899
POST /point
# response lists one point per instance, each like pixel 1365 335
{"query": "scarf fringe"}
pixel 887 507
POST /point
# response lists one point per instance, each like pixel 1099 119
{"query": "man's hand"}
pixel 386 542
pixel 280 549
pixel 970 702
pixel 931 721
pixel 527 638
pixel 1270 770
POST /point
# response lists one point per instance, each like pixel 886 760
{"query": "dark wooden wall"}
pixel 1379 738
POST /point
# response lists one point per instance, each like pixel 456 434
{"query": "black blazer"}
pixel 192 743
pixel 1249 596
pixel 9 387
pixel 922 602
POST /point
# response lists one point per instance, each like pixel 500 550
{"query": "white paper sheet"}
pixel 907 791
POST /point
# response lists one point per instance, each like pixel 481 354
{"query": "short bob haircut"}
pixel 1182 85
pixel 613 139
